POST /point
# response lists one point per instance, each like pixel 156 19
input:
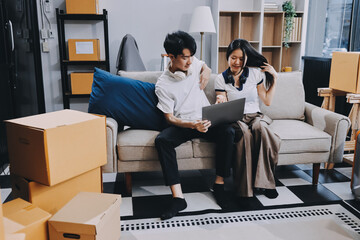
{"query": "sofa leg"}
pixel 128 183
pixel 316 171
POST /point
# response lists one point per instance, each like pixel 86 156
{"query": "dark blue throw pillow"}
pixel 130 102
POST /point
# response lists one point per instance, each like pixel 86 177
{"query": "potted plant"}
pixel 290 13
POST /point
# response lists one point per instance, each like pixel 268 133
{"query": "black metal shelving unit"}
pixel 61 17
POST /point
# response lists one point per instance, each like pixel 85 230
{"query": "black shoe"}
pixel 177 205
pixel 271 193
pixel 220 196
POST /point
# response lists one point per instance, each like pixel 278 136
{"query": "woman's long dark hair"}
pixel 254 58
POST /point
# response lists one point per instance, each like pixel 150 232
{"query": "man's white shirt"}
pixel 182 96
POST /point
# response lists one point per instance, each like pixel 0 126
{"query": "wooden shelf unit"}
pixel 263 29
pixel 229 27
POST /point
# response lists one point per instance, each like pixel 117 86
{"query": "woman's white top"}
pixel 248 90
pixel 180 93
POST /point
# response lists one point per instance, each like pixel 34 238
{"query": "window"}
pixel 337 27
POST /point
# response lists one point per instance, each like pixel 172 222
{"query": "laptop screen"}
pixel 227 112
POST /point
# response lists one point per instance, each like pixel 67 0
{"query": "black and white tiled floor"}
pixel 150 197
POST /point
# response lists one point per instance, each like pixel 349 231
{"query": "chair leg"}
pixel 316 171
pixel 128 183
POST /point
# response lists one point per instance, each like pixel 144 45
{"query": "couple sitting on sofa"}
pixel 181 98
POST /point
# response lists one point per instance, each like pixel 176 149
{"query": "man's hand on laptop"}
pixel 202 125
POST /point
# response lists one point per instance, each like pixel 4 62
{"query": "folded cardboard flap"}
pixel 21 217
pixel 23 212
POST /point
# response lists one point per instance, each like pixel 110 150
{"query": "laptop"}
pixel 227 112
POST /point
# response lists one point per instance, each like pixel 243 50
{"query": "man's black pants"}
pixel 171 137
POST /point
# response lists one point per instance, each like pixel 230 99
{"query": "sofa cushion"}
pixel 289 98
pixel 130 102
pixel 300 137
pixel 134 144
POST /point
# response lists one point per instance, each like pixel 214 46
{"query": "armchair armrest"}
pixel 111 138
pixel 332 123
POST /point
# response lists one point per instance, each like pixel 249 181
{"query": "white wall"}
pixel 147 20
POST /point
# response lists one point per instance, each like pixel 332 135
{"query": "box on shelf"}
pixel 84 49
pixel 94 215
pixel 345 72
pixel 81 83
pixel 53 198
pixel 23 217
pixel 82 7
pixel 53 147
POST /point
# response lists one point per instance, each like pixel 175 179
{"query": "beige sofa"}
pixel 309 134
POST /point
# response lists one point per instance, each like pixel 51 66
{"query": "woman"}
pixel 250 76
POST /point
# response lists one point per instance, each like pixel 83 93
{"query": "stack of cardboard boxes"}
pixel 82 49
pixel 53 157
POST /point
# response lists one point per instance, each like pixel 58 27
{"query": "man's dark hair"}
pixel 176 42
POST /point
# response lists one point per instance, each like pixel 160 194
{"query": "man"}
pixel 181 98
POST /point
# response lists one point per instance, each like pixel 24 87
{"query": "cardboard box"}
pixel 52 199
pixel 88 216
pixel 23 217
pixel 15 236
pixel 2 236
pixel 81 83
pixel 345 72
pixel 53 147
pixel 84 49
pixel 82 7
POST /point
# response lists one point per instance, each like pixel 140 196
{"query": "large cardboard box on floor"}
pixel 53 147
pixel 23 217
pixel 87 216
pixel 53 198
pixel 345 72
pixel 82 7
pixel 84 49
pixel 81 83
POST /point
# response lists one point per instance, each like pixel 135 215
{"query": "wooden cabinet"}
pixel 263 28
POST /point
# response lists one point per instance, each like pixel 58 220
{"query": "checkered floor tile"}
pixel 150 197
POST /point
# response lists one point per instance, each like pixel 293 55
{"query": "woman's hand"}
pixel 268 68
pixel 202 126
pixel 220 99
